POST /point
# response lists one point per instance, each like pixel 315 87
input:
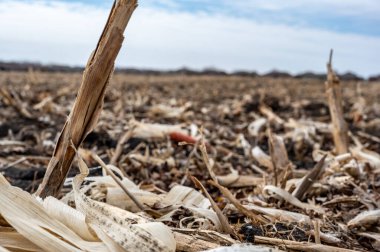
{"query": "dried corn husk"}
pixel 365 219
pixel 261 157
pixel 165 111
pixel 280 194
pixel 2 249
pixel 256 126
pixel 279 214
pixel 152 160
pixel 369 156
pixel 23 212
pixel 154 131
pixel 186 196
pixel 72 218
pixel 120 225
pixel 12 240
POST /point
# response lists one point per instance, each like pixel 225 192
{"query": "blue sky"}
pixel 336 15
pixel 341 16
pixel 293 35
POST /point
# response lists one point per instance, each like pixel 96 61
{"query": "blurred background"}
pixel 252 35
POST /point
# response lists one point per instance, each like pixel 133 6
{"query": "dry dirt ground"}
pixel 238 115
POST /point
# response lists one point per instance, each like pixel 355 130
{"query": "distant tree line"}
pixel 27 66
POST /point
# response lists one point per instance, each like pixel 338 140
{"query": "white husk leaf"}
pixel 279 214
pixel 118 224
pixel 192 200
pixel 256 126
pixel 371 157
pixel 154 131
pixel 13 240
pixel 280 194
pixel 72 218
pixel 186 196
pixel 366 218
pixel 261 157
pixel 24 213
pixel 117 197
pixel 2 249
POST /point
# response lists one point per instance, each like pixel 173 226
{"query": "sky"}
pixel 231 35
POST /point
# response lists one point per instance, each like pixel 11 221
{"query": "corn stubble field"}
pixel 186 163
pixel 249 142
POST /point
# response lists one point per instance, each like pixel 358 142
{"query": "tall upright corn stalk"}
pixel 334 93
pixel 88 104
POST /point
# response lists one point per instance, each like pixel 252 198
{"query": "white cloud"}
pixel 366 9
pixel 155 38
pixel 363 8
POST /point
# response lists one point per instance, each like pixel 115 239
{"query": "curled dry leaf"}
pixel 23 212
pixel 280 194
pixel 262 158
pixel 256 126
pixel 279 214
pixel 72 218
pixel 241 181
pixel 229 179
pixel 105 188
pixel 152 160
pixel 365 219
pixel 154 131
pixel 187 196
pixel 116 196
pixel 14 241
pixel 327 238
pixel 120 225
pixel 192 200
pixel 272 117
pixel 371 157
pixel 165 111
pixel 2 249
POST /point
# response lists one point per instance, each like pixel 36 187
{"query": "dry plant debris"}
pixel 276 172
pixel 323 201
